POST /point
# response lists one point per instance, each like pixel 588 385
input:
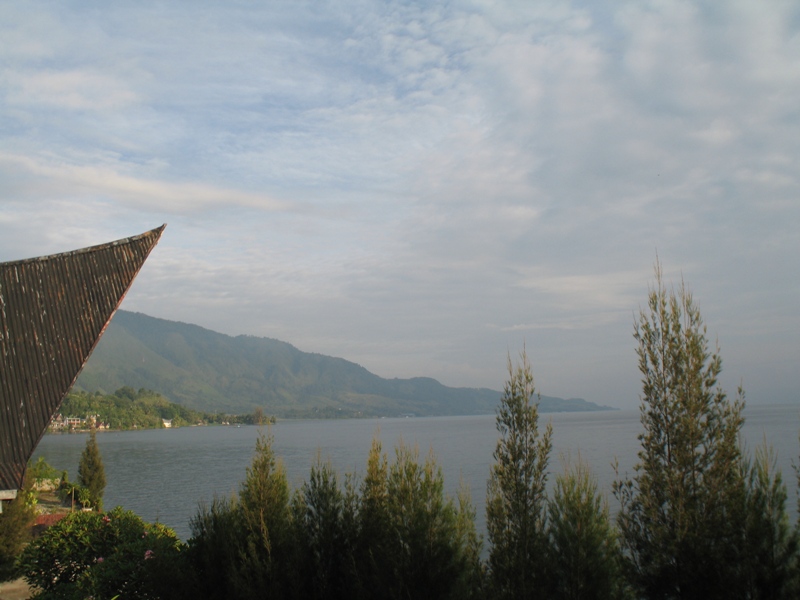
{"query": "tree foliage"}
pixel 15 522
pixel 215 548
pixel 678 514
pixel 92 554
pixel 427 545
pixel 244 546
pixel 266 516
pixel 585 561
pixel 516 499
pixel 768 552
pixel 324 522
pixel 91 473
pixel 372 552
pixel 141 409
pixel 396 535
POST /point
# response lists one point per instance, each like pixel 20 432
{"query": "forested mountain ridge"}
pixel 210 371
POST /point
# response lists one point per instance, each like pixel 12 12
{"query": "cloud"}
pixel 69 90
pixel 419 187
pixel 598 291
pixel 145 194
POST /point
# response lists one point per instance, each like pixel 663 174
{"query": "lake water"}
pixel 163 474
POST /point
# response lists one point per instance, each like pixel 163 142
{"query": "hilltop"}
pixel 210 371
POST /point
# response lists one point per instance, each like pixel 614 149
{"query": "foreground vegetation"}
pixel 699 517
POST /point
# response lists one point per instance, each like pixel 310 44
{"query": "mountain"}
pixel 211 371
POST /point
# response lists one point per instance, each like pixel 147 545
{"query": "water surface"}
pixel 163 474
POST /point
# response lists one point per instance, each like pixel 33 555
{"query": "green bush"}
pixel 244 547
pixel 218 540
pixel 15 522
pixel 41 471
pixel 73 493
pixel 398 535
pixel 102 555
pixel 324 532
pixel 585 560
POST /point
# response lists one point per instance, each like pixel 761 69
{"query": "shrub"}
pixel 218 540
pixel 429 533
pixel 42 473
pixel 325 536
pixel 585 559
pixel 90 554
pixel 15 522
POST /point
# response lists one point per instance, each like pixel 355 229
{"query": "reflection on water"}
pixel 164 474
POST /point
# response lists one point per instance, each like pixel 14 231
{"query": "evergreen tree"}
pixel 585 559
pixel 428 558
pixel 324 537
pixel 373 554
pixel 516 500
pixel 472 583
pixel 91 473
pixel 214 550
pixel 268 555
pixel 679 518
pixel 769 551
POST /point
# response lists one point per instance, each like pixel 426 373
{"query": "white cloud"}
pixel 419 187
pixel 719 132
pixel 145 194
pixel 70 90
pixel 597 292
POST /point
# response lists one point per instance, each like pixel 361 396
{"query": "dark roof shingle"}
pixel 53 310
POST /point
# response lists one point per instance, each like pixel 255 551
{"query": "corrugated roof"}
pixel 53 310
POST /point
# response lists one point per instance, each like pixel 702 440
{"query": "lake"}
pixel 163 474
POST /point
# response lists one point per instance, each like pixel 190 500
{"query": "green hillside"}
pixel 209 371
pixel 143 409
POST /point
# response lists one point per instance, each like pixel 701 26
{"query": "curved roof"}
pixel 53 310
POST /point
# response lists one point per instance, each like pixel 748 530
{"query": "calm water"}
pixel 164 474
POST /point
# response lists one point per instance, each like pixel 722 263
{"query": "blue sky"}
pixel 424 187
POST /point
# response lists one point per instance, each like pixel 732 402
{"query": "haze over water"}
pixel 164 474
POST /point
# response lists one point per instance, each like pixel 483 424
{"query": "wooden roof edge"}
pixel 89 249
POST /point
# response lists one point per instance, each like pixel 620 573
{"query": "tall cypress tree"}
pixel 517 499
pixel 681 511
pixel 91 473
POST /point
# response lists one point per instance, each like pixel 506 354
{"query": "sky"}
pixel 424 188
